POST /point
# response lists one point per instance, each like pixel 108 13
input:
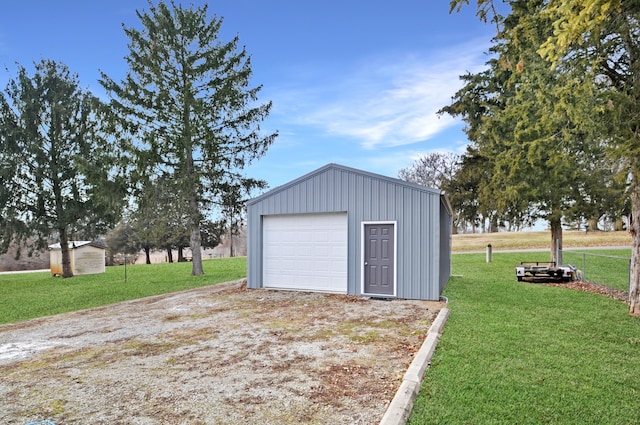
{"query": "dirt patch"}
pixel 215 355
pixel 595 288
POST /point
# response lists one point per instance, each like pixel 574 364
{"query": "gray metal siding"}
pixel 365 197
pixel 446 222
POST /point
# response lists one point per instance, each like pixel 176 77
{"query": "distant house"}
pixel 87 257
pixel 339 229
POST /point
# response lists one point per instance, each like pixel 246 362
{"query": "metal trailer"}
pixel 538 271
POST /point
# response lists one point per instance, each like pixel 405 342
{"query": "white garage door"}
pixel 305 251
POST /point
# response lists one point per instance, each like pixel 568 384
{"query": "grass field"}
pixel 526 240
pixel 514 352
pixel 608 267
pixel 30 295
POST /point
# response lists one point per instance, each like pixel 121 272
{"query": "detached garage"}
pixel 338 229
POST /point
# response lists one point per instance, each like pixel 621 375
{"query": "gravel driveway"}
pixel 215 355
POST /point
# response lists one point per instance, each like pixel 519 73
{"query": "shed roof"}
pixel 348 169
pixel 78 244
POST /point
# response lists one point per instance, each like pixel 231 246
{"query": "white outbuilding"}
pixel 86 257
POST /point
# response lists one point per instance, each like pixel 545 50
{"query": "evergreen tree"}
pixel 535 141
pixel 597 43
pixel 189 106
pixel 604 37
pixel 57 174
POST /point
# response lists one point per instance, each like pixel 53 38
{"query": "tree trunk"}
pixel 169 254
pixel 493 224
pixel 110 260
pixel 556 240
pixel 181 255
pixel 593 224
pixel 66 257
pixel 196 252
pixel 634 229
pixel 195 239
pixel 147 254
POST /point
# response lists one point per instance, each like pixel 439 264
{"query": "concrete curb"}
pixel 398 411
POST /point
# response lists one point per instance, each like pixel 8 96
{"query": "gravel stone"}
pixel 216 355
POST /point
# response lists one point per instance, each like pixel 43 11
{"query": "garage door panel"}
pixel 306 251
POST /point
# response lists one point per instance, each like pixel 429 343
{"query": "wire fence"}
pixel 613 271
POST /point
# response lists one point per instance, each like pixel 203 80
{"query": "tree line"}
pixel 601 203
pixel 553 120
pixel 162 156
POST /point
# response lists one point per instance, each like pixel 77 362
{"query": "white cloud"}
pixel 385 102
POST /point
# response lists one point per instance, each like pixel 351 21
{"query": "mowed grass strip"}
pixel 31 295
pixel 521 353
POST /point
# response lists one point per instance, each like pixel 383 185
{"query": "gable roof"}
pixel 78 244
pixel 333 166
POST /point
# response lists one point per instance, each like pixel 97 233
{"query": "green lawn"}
pixel 520 353
pixel 29 295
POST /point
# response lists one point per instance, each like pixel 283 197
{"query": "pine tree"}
pixel 58 173
pixel 596 42
pixel 189 106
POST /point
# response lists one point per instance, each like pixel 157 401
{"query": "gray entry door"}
pixel 379 259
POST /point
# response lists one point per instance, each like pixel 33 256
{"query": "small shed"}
pixel 87 257
pixel 339 229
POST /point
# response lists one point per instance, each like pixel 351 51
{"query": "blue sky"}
pixel 353 82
